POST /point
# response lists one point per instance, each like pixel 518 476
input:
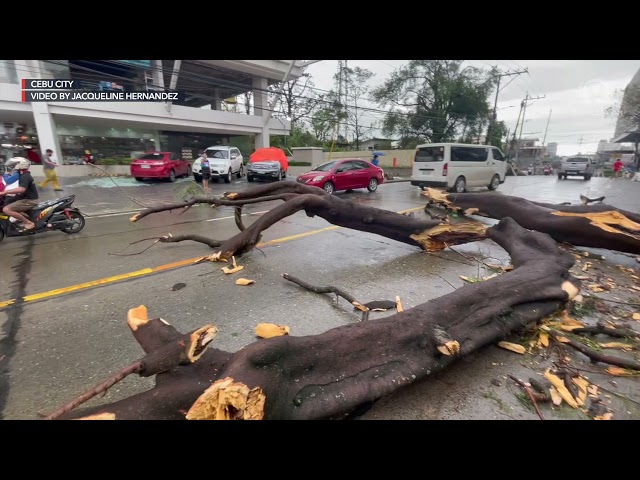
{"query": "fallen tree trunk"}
pixel 597 226
pixel 430 235
pixel 331 374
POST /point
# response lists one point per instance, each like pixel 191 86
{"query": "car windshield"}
pixel 325 167
pixel 152 156
pixel 217 153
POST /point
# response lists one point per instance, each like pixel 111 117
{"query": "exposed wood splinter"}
pixel 228 400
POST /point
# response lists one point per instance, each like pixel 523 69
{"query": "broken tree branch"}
pixel 530 395
pixel 329 375
pixel 169 238
pixel 427 234
pixel 329 289
pixel 594 355
pixel 611 332
pixel 597 226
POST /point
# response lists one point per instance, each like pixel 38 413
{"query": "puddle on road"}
pixel 106 182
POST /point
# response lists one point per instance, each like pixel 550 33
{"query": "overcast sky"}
pixel 576 93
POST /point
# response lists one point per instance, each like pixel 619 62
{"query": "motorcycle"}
pixel 55 214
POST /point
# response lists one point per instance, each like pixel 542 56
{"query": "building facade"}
pixel 124 129
pixel 623 124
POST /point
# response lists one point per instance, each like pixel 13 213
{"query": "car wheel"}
pixel 460 186
pixel 197 178
pixel 188 174
pixel 373 185
pixel 559 176
pixel 240 173
pixel 140 179
pixel 249 178
pixel 228 177
pixel 495 182
pixel 279 175
pixel 172 176
pixel 329 188
pixel 587 177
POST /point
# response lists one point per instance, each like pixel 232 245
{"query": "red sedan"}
pixel 160 165
pixel 344 174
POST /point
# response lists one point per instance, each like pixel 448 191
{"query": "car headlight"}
pixel 318 178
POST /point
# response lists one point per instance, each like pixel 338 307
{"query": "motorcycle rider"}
pixel 25 194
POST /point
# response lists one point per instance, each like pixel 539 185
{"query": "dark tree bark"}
pixel 331 374
pixel 597 226
pixel 430 235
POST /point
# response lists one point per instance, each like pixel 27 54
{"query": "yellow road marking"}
pixel 80 286
pixel 160 268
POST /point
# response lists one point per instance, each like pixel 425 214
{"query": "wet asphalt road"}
pixel 53 349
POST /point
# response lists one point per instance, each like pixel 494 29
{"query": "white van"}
pixel 456 166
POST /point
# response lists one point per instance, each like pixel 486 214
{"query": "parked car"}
pixel 344 174
pixel 160 165
pixel 224 161
pixel 267 164
pixel 576 166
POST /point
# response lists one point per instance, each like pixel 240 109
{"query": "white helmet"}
pixel 20 163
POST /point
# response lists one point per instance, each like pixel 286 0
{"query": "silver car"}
pixel 265 170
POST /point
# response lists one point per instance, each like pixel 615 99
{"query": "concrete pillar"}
pixel 157 72
pixel 46 129
pixel 26 69
pixel 216 104
pixel 260 99
pixel 263 140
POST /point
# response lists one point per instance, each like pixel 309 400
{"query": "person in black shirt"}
pixel 26 195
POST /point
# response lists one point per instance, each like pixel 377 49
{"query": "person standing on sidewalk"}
pixel 205 170
pixel 49 164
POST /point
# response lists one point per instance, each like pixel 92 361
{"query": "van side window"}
pixel 469 154
pixel 430 154
pixel 497 154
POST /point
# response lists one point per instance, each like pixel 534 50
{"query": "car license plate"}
pixel 145 166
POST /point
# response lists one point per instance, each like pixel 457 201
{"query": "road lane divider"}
pixel 160 268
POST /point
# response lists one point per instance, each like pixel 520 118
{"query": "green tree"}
pixel 434 100
pixel 498 134
pixel 328 117
pixel 297 100
pixel 355 84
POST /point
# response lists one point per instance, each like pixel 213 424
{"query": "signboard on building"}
pixel 187 154
pixel 138 63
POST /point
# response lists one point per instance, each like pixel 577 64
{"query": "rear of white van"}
pixel 430 166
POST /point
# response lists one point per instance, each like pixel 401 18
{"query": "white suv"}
pixel 225 162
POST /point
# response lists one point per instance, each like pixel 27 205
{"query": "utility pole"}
pixel 544 139
pixel 346 101
pixel 499 76
pixel 580 145
pixel 339 95
pixel 525 102
pixel 515 130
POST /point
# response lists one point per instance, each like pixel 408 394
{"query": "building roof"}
pixel 628 137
